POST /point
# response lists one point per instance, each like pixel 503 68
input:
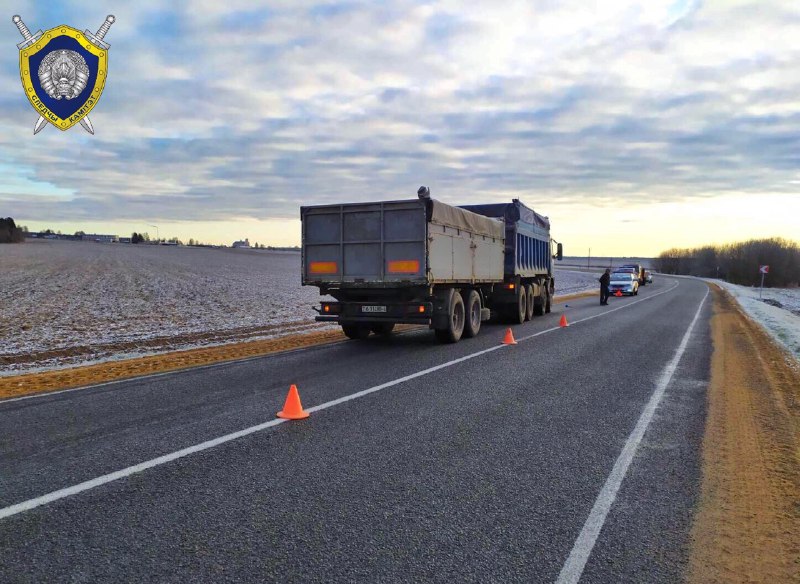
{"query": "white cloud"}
pixel 221 110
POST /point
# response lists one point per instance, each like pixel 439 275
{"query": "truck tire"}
pixel 531 303
pixel 383 329
pixel 455 321
pixel 472 322
pixel 355 331
pixel 519 311
pixel 539 309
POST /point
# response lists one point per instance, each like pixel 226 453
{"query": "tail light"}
pixel 330 308
pixel 403 267
pixel 323 268
pixel 509 286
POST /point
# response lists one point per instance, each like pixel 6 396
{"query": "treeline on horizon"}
pixel 737 263
pixel 9 232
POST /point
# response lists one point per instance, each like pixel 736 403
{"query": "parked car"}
pixel 638 269
pixel 625 282
pixel 648 276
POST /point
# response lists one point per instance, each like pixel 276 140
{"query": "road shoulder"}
pixel 747 528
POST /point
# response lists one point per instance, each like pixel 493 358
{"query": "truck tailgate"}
pixel 371 243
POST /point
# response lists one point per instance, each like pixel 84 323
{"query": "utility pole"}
pixel 158 237
pixel 589 260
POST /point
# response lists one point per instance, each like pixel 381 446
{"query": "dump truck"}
pixel 422 261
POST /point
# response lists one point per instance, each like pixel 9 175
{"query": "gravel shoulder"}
pixel 747 528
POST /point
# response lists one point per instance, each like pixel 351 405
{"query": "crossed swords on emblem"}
pixel 96 38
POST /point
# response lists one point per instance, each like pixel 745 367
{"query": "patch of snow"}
pixel 576 281
pixel 778 312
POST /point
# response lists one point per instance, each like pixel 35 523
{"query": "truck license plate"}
pixel 373 309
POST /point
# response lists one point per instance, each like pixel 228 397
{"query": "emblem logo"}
pixel 63 73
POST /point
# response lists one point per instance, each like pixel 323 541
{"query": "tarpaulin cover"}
pixel 443 214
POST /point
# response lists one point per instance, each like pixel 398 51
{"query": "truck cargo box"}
pixel 417 242
pixel 527 235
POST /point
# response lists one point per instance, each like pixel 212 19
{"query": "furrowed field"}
pixel 66 303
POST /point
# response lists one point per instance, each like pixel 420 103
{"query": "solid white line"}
pixel 573 567
pixel 126 472
pixel 599 314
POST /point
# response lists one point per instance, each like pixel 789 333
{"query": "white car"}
pixel 648 276
pixel 625 282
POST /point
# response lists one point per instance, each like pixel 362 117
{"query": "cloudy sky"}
pixel 635 126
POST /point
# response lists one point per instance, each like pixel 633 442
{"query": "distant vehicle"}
pixel 648 276
pixel 638 269
pixel 625 282
pixel 422 261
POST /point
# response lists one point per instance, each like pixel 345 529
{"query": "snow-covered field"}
pixel 778 311
pixel 66 303
pixel 572 281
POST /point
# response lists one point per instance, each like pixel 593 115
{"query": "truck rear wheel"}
pixel 383 328
pixel 455 321
pixel 518 314
pixel 472 323
pixel 531 304
pixel 355 331
pixel 547 301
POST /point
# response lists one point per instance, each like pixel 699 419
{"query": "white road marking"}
pixel 573 567
pixel 126 472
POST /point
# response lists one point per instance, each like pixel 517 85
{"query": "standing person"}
pixel 605 280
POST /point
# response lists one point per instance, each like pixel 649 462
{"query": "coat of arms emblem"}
pixel 63 73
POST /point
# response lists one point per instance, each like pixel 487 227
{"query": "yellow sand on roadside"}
pixel 747 528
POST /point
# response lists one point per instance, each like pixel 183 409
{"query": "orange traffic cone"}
pixel 292 408
pixel 618 293
pixel 563 322
pixel 509 338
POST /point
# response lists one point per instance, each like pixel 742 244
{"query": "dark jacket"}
pixel 605 279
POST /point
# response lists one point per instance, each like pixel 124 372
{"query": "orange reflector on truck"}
pixel 322 268
pixel 403 267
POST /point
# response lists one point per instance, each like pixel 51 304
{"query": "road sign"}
pixel 763 269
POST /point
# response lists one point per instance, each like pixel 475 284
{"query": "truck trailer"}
pixel 421 261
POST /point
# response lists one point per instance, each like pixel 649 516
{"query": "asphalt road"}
pixel 483 470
